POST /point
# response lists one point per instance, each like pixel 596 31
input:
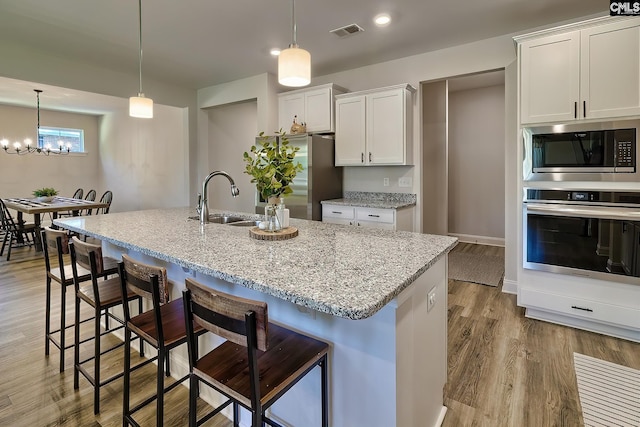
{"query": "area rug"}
pixel 474 268
pixel 609 393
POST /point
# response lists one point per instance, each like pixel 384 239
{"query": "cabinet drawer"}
pixel 376 215
pixel 337 211
pixel 581 308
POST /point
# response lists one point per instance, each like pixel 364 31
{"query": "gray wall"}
pixel 477 163
pixel 232 131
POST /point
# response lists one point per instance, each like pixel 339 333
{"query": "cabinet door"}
pixel 550 78
pixel 288 107
pixel 318 110
pixel 350 131
pixel 386 128
pixel 610 66
pixel 636 251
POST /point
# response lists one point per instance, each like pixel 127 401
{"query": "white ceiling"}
pixel 198 43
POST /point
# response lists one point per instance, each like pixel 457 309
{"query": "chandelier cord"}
pixel 38 91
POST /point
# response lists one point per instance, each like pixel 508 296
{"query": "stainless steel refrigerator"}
pixel 318 180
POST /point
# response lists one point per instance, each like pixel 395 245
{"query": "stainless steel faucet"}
pixel 203 202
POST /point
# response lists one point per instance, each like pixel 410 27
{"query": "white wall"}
pixel 231 133
pixel 20 175
pixel 477 162
pixel 145 162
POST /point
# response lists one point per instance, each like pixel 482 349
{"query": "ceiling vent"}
pixel 347 30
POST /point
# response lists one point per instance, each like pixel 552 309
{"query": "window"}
pixel 52 137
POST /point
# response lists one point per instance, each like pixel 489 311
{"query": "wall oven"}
pixel 583 233
pixel 582 152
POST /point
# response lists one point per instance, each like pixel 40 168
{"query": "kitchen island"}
pixel 378 297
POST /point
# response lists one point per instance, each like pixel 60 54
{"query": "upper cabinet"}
pixel 375 127
pixel 313 106
pixel 589 73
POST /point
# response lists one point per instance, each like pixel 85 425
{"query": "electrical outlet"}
pixel 385 182
pixel 404 182
pixel 431 299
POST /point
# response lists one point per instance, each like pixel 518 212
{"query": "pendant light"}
pixel 294 64
pixel 139 106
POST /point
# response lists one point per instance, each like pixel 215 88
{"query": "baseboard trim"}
pixel 443 412
pixel 480 240
pixel 509 286
pixel 597 327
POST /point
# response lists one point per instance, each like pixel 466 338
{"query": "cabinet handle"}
pixel 369 155
pixel 336 212
pixel 584 109
pixel 575 110
pixel 361 157
pixel 374 216
pixel 582 308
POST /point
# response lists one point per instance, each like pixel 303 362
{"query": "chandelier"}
pixel 27 147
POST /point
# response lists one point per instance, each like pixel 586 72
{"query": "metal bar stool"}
pixel 100 295
pixel 272 370
pixel 57 241
pixel 162 327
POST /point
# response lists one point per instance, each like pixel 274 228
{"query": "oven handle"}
pixel 598 212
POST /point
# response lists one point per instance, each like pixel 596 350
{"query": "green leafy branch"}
pixel 271 165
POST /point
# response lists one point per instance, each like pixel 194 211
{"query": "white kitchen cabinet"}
pixel 385 218
pixel 375 127
pixel 610 70
pixel 592 72
pixel 313 106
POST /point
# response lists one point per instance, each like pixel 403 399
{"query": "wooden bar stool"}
pixel 162 327
pixel 272 370
pixel 57 241
pixel 101 295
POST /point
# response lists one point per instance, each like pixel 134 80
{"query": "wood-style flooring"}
pixel 504 369
pixel 507 370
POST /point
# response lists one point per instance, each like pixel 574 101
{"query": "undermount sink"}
pixel 221 219
pixel 246 223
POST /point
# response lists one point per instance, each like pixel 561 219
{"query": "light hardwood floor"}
pixel 504 369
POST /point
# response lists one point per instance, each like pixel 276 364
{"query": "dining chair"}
pixel 107 197
pixel 101 295
pixel 91 196
pixel 15 235
pixel 259 362
pixel 162 327
pixel 77 195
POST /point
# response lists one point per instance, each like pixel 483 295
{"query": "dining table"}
pixel 36 207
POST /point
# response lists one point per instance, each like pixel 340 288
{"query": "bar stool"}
pixel 272 370
pixel 162 327
pixel 57 241
pixel 101 295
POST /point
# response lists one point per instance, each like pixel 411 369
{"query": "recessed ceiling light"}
pixel 275 51
pixel 382 20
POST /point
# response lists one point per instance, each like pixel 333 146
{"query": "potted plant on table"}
pixel 272 167
pixel 45 194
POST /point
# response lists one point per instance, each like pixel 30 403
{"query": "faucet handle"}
pixel 199 205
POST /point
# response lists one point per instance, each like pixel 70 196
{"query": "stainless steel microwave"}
pixel 595 152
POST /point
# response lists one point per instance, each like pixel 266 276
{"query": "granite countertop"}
pixel 351 272
pixel 375 200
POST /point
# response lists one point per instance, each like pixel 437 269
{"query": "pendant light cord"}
pixel 140 42
pixel 293 23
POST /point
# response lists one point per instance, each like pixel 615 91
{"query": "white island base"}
pixel 385 370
